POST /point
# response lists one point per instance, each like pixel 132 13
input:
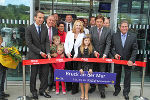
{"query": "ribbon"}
pixel 98 60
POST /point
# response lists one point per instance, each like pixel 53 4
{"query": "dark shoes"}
pixel 116 92
pixel 126 97
pixel 74 92
pixel 5 95
pixel 91 90
pixel 35 96
pixel 45 95
pixel 102 94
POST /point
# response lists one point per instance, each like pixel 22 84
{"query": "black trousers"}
pixel 127 78
pixel 2 78
pixel 43 71
pixel 72 66
pixel 51 76
pixel 99 67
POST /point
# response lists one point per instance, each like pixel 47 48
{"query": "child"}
pixel 85 51
pixel 2 78
pixel 60 50
pixel 53 47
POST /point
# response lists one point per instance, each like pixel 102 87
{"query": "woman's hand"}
pixel 69 55
pixel 90 71
pixel 81 71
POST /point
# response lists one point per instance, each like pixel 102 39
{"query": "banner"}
pixel 75 76
pixel 98 60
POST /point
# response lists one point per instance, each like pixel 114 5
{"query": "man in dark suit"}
pixel 101 40
pixel 69 23
pixel 51 32
pixel 37 40
pixel 124 46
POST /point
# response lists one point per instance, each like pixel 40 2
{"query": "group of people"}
pixel 77 39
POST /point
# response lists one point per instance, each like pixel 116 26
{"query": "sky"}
pixel 15 2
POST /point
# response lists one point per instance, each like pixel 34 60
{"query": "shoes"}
pixel 116 92
pixel 74 92
pixel 57 91
pixel 64 91
pixel 35 96
pixel 45 95
pixel 102 95
pixel 86 98
pixel 5 95
pixel 126 97
pixel 81 98
pixel 3 98
pixel 91 90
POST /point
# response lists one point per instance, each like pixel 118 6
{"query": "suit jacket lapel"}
pixel 127 40
pixel 119 40
pixel 35 31
pixel 96 33
pixel 102 34
pixel 42 33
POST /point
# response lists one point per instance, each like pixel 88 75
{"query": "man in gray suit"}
pixel 101 40
pixel 36 36
pixel 124 46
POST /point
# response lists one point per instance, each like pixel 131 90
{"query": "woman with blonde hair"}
pixel 72 42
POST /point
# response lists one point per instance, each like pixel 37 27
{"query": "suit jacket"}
pixel 69 42
pixel 34 43
pixel 103 45
pixel 129 51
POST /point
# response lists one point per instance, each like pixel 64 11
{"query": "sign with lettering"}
pixel 75 76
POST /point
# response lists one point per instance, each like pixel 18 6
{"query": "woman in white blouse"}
pixel 72 42
pixel 74 39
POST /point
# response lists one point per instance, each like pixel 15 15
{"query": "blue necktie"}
pixel 39 30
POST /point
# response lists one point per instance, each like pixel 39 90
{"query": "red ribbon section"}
pixel 98 60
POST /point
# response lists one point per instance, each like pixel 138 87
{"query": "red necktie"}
pixel 50 35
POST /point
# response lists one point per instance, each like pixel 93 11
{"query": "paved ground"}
pixel 16 91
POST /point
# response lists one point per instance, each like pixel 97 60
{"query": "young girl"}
pixel 85 51
pixel 60 50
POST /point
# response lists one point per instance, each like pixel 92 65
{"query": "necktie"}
pixel 123 40
pixel 50 35
pixel 39 30
pixel 68 27
pixel 99 33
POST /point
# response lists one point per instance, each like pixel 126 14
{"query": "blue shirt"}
pixel 123 38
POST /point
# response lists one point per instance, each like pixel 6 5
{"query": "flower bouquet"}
pixel 10 57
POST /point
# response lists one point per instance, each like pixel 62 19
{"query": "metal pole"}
pixel 142 84
pixel 91 8
pixel 52 6
pixel 24 97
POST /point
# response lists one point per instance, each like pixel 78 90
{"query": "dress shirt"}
pixel 51 32
pixel 123 38
pixel 67 26
pixel 99 32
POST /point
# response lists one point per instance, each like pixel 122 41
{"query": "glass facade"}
pixel 14 18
